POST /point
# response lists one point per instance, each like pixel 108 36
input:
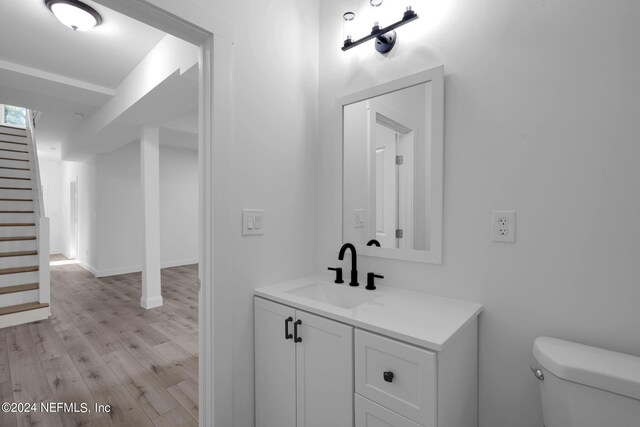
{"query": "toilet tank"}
pixel 586 386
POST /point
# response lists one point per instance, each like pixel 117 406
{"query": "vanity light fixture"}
pixel 74 14
pixel 385 37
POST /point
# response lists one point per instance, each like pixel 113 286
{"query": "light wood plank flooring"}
pixel 100 347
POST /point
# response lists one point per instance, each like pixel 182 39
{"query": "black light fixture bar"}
pixel 408 17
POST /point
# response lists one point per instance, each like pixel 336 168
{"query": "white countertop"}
pixel 425 320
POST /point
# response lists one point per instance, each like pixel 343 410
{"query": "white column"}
pixel 150 191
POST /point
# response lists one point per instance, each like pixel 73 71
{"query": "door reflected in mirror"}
pixel 385 178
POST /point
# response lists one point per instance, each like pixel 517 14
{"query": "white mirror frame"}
pixel 434 133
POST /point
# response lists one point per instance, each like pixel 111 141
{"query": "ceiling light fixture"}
pixel 74 14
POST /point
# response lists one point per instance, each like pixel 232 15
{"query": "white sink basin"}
pixel 337 295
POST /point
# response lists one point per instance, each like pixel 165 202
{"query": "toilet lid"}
pixel 591 366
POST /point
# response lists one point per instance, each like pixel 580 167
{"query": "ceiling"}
pixel 69 76
pixel 33 37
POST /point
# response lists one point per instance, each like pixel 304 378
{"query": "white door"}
pixel 324 366
pixel 404 188
pixel 385 176
pixel 73 219
pixel 275 364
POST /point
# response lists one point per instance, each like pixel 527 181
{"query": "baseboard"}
pixel 138 268
pixel 180 262
pixel 91 269
pixel 118 271
pixel 28 316
pixel 151 302
pixel 57 251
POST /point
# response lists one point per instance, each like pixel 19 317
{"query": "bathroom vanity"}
pixel 339 356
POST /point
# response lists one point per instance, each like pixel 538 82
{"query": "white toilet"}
pixel 584 386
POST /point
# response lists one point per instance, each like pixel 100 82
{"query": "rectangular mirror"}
pixel 392 138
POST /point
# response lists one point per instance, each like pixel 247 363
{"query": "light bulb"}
pixel 347 27
pixel 376 11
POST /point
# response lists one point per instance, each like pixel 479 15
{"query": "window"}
pixel 13 116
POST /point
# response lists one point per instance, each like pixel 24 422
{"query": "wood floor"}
pixel 100 347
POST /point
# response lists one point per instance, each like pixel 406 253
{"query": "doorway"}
pixel 73 219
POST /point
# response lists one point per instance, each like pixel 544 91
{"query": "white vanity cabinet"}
pixel 308 383
pixel 383 358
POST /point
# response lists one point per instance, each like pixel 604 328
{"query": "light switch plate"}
pixel 252 222
pixel 503 226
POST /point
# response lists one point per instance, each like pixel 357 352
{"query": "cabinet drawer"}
pixel 369 414
pixel 398 376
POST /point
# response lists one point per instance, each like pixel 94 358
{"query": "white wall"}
pixel 52 193
pixel 119 236
pixel 178 206
pixel 120 210
pixel 275 93
pixel 541 116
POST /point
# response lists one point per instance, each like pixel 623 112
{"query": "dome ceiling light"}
pixel 74 14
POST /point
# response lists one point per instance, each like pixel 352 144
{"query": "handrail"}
pixel 31 137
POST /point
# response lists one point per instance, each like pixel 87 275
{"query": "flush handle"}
pixel 388 376
pixel 537 372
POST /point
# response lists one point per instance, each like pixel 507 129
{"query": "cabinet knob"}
pixel 388 376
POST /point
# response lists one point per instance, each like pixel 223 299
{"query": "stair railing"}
pixel 42 222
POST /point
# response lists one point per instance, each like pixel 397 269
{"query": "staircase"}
pixel 24 231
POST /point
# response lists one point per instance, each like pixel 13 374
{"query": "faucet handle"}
pixel 338 271
pixel 371 277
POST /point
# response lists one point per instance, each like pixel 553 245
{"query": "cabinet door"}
pixel 275 364
pixel 324 362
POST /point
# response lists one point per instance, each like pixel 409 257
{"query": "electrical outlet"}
pixel 503 226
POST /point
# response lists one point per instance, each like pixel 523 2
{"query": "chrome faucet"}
pixel 354 262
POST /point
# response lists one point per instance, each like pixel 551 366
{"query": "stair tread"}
pixel 12 127
pixel 14 151
pixel 14 159
pixel 17 253
pixel 15 177
pixel 14 270
pixel 17 224
pixel 16 188
pixel 14 142
pixel 15 169
pixel 19 288
pixel 16 212
pixel 17 238
pixel 16 200
pixel 21 307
